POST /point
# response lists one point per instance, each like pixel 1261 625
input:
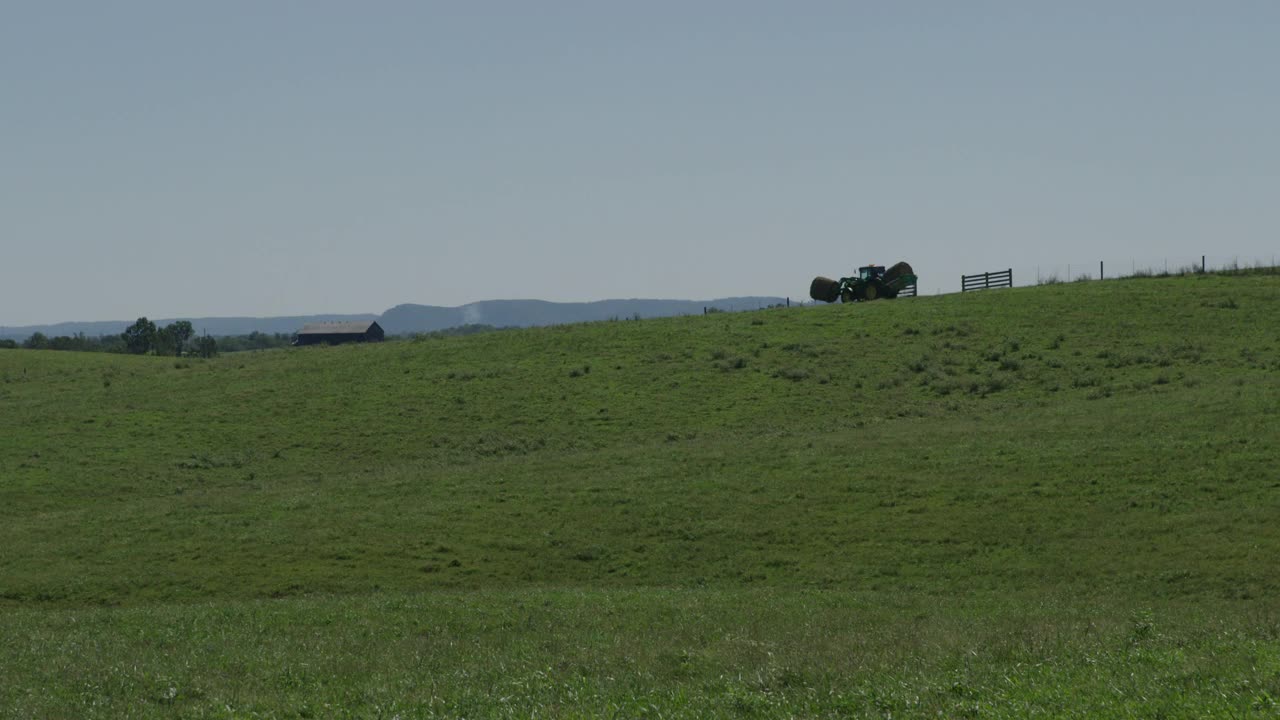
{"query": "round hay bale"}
pixel 824 289
pixel 900 269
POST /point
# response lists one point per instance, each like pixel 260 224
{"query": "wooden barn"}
pixel 333 333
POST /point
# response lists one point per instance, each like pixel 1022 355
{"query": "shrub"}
pixel 791 373
pixel 736 363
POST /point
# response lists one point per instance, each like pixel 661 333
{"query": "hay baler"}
pixel 872 283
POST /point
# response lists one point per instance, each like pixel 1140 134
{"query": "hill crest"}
pixel 411 318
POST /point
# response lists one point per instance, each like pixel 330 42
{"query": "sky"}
pixel 278 157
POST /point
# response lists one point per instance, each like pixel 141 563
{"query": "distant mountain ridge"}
pixel 528 313
pixel 410 318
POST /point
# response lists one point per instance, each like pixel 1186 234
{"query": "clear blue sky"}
pixel 269 157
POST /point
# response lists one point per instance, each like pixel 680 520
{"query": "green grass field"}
pixel 1059 501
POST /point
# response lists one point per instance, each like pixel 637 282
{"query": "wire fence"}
pixel 1110 268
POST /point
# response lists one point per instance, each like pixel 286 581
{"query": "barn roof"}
pixel 358 327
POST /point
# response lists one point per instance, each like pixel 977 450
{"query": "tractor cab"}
pixel 870 272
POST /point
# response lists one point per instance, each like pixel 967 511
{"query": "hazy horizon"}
pixel 8 329
pixel 242 159
pixel 409 318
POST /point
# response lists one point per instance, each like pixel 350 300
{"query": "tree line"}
pixel 177 339
pixel 145 337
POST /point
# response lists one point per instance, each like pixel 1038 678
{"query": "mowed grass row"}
pixel 976 508
pixel 642 653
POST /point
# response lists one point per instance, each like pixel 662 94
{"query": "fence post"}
pixel 986 281
pixel 1101 274
pixel 1202 270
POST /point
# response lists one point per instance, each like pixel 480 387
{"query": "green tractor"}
pixel 872 283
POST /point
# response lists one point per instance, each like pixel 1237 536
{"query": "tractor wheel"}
pixel 824 289
pixel 870 291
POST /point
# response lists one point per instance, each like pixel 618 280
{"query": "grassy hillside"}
pixel 1043 470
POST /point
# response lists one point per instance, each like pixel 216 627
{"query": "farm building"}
pixel 334 333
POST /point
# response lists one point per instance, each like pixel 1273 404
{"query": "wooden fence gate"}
pixel 987 280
